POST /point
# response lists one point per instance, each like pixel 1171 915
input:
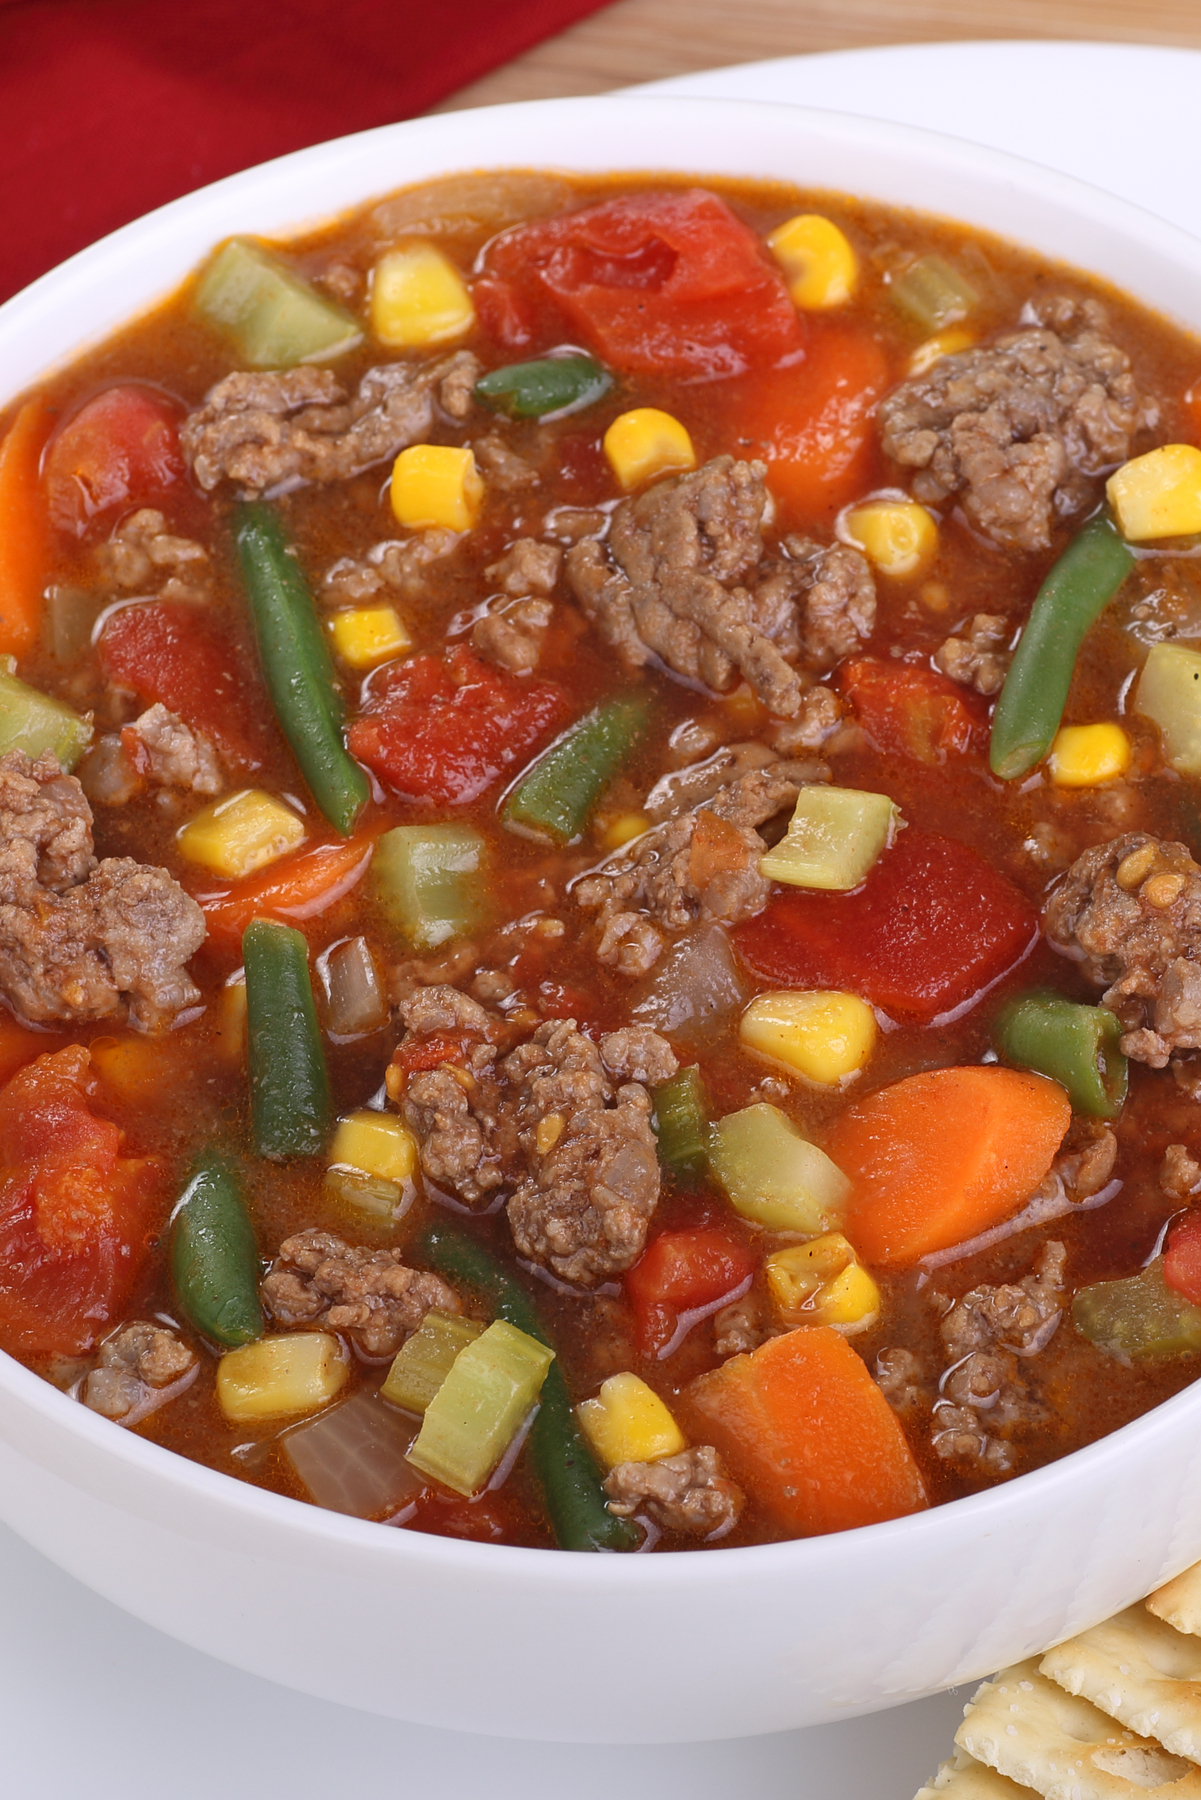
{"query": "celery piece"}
pixel 423 1362
pixel 273 317
pixel 554 799
pixel 428 881
pixel 480 1407
pixel 834 837
pixel 1169 693
pixel 772 1175
pixel 369 1194
pixel 682 1123
pixel 32 722
pixel 932 293
pixel 1138 1319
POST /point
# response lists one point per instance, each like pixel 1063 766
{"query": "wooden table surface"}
pixel 645 40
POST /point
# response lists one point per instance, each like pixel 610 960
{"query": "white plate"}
pixel 94 1703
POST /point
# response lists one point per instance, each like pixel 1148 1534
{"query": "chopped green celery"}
pixel 772 1175
pixel 369 1194
pixel 423 1361
pixel 1138 1318
pixel 32 722
pixel 428 881
pixel 274 318
pixel 480 1407
pixel 834 837
pixel 551 386
pixel 557 795
pixel 682 1123
pixel 932 293
pixel 1169 693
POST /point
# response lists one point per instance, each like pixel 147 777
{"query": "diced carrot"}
pixel 941 1156
pixel 295 890
pixel 24 530
pixel 806 1430
pixel 18 1045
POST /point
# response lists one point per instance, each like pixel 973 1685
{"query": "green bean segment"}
pixel 214 1256
pixel 552 384
pixel 561 1459
pixel 682 1124
pixel 290 1107
pixel 1076 591
pixel 297 667
pixel 557 796
pixel 1075 1045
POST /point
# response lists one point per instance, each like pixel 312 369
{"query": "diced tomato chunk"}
pixel 75 1216
pixel 446 731
pixel 932 925
pixel 697 1266
pixel 666 284
pixel 120 450
pixel 1182 1257
pixel 168 651
pixel 908 711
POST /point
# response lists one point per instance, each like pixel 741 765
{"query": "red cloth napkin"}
pixel 111 107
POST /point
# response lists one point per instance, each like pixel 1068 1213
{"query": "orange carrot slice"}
pixel 295 889
pixel 24 530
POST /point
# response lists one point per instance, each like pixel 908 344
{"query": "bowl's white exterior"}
pixel 546 1645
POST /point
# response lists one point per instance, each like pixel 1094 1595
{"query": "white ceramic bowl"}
pixel 550 1645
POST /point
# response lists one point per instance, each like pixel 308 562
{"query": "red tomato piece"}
pixel 1182 1258
pixel 908 711
pixel 931 927
pixel 814 425
pixel 168 651
pixel 75 1216
pixel 697 1266
pixel 445 731
pixel 121 449
pixel 667 284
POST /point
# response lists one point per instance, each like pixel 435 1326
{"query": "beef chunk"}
pixel 511 635
pixel 1018 428
pixel 899 1379
pixel 980 659
pixel 819 716
pixel 527 567
pixel 1130 911
pixel 317 1280
pixel 501 467
pixel 142 557
pixel 636 1054
pixel 738 1327
pixel 698 783
pixel 820 603
pixel 1180 1173
pixel 171 754
pixel 81 940
pixel 135 1367
pixel 389 568
pixel 700 865
pixel 300 425
pixel 984 1388
pixel 688 1493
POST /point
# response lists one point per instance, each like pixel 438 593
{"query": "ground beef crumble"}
pixel 133 1369
pixel 690 1492
pixel 142 557
pixel 318 1280
pixel 980 658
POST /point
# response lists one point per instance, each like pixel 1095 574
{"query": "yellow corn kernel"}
pixel 286 1374
pixel 898 536
pixel 822 1283
pixel 944 343
pixel 622 828
pixel 376 1144
pixel 240 834
pixel 365 636
pixel 418 297
pixel 646 443
pixel 436 485
pixel 231 1022
pixel 821 267
pixel 1158 495
pixel 628 1423
pixel 1083 756
pixel 826 1036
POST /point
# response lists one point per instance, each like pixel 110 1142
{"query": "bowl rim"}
pixel 181 225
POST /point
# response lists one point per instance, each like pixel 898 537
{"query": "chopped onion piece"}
pixel 694 985
pixel 354 1000
pixel 352 1459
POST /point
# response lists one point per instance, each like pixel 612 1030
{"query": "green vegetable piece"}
pixel 291 1111
pixel 773 1175
pixel 297 667
pixel 273 318
pixel 1169 692
pixel 560 1455
pixel 553 384
pixel 34 723
pixel 423 1362
pixel 1077 589
pixel 834 838
pixel 214 1257
pixel 1138 1319
pixel 428 881
pixel 932 293
pixel 682 1123
pixel 478 1410
pixel 556 797
pixel 1077 1046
